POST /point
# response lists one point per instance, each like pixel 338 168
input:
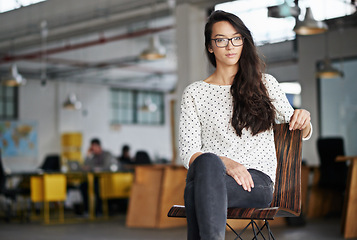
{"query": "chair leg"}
pixel 105 208
pixel 61 211
pixel 256 230
pixel 238 235
pixel 270 232
pixel 46 212
pixel 259 230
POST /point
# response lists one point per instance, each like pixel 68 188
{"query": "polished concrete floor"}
pixel 114 228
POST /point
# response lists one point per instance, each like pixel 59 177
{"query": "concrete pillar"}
pixel 192 63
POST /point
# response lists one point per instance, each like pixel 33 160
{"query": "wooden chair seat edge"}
pixel 242 213
pixel 177 211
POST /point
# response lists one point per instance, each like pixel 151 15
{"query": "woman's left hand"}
pixel 300 119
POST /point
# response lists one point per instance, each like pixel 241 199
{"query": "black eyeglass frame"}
pixel 229 39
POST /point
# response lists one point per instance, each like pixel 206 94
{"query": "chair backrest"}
pixel 52 163
pixel 332 174
pixel 142 157
pixel 288 146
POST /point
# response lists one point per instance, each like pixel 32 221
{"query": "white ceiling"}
pixel 95 41
pixel 92 41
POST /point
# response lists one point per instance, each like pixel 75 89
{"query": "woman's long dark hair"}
pixel 252 107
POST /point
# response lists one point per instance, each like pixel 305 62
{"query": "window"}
pixel 137 107
pixel 122 106
pixel 8 102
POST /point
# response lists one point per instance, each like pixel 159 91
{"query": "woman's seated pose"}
pixel 226 137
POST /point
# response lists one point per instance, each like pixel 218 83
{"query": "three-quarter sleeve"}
pixel 284 110
pixel 189 129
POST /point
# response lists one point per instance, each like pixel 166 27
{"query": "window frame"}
pixel 5 99
pixel 134 108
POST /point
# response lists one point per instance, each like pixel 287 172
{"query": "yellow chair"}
pixel 114 185
pixel 49 188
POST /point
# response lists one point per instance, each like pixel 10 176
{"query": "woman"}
pixel 226 138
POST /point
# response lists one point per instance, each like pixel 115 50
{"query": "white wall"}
pixel 38 104
pixel 94 121
pixel 44 105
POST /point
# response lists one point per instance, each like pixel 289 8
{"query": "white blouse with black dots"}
pixel 205 126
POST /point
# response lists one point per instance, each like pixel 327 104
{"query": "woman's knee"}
pixel 209 160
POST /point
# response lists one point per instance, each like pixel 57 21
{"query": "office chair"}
pixel 327 191
pixel 142 157
pixel 52 163
pixel 333 175
pixel 287 195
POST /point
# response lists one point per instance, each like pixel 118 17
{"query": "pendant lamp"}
pixel 14 78
pixel 309 26
pixel 328 71
pixel 72 102
pixel 148 106
pixel 154 51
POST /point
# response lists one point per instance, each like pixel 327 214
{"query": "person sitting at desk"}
pixel 96 160
pixel 125 158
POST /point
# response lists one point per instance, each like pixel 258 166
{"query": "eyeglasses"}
pixel 223 42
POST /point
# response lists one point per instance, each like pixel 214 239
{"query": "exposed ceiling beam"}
pixel 71 47
pixel 20 37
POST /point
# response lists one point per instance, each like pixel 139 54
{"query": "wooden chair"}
pixel 287 195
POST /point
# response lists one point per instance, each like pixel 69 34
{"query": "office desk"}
pixel 349 226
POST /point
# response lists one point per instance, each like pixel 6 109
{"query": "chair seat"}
pixel 242 213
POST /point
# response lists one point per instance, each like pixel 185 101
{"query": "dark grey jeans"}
pixel 210 191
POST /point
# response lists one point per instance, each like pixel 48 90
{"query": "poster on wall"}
pixel 18 138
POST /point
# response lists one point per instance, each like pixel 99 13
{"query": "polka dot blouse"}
pixel 205 126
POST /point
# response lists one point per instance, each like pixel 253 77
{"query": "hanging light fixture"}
pixel 328 71
pixel 14 78
pixel 148 106
pixel 72 102
pixel 309 26
pixel 154 51
pixel 44 34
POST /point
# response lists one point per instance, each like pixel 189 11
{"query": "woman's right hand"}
pixel 239 173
